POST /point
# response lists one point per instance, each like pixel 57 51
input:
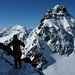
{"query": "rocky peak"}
pixel 56 13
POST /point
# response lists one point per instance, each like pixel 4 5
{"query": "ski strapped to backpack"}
pixel 8 61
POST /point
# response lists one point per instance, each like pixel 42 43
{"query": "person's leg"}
pixel 16 64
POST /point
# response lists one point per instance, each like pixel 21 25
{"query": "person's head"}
pixel 15 37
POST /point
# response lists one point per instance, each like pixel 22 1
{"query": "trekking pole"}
pixel 2 55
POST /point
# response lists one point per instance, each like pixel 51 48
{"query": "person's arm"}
pixel 10 44
pixel 22 43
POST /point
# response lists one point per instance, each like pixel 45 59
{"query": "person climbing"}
pixel 15 43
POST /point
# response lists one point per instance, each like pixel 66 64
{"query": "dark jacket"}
pixel 16 44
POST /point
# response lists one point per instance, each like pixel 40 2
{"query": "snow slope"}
pixel 7 69
pixel 63 66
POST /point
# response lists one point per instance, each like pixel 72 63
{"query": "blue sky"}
pixel 29 12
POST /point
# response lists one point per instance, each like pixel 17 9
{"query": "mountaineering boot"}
pixel 20 64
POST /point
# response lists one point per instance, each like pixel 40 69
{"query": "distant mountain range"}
pixel 8 32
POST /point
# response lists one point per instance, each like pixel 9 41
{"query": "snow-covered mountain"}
pixel 54 35
pixel 49 43
pixel 56 30
pixel 8 32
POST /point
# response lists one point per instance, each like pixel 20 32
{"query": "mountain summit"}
pixel 57 12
